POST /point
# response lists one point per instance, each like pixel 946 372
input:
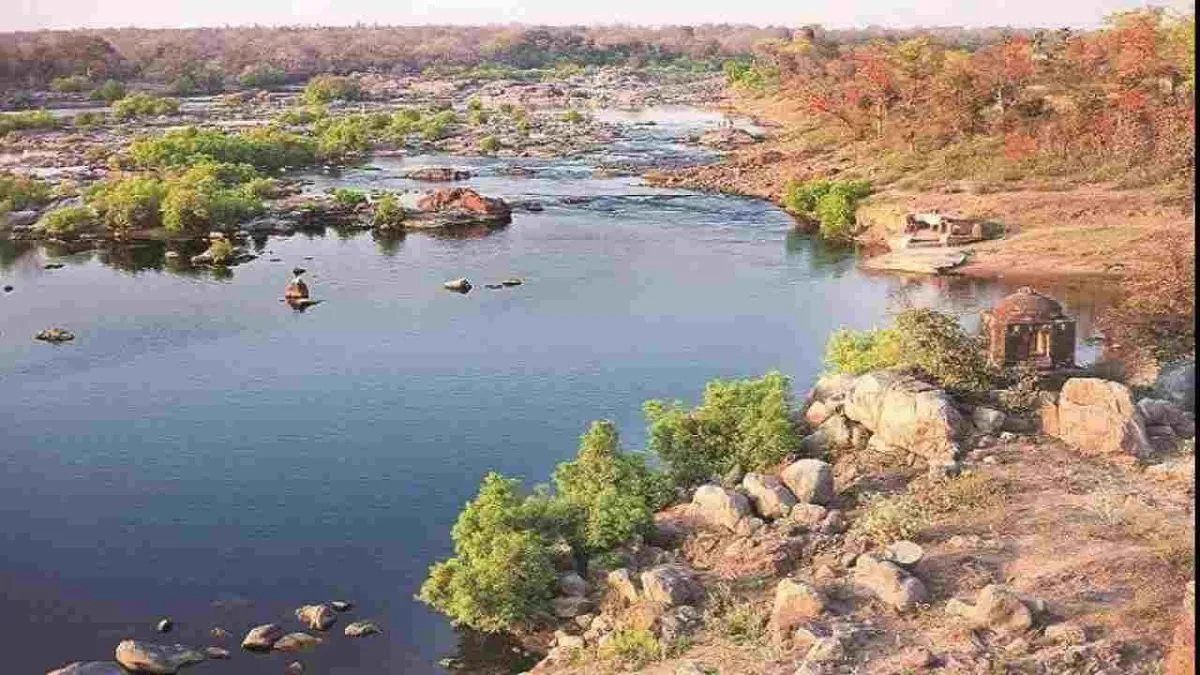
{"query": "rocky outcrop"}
pixel 671 585
pixel 438 173
pixel 1098 417
pixel 144 657
pixel 795 604
pixel 459 206
pixel 719 507
pixel 261 638
pixel 997 608
pixel 810 480
pixel 904 412
pixel 770 498
pixel 889 582
pixel 316 617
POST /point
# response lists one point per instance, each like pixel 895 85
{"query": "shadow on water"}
pixel 388 243
pixel 822 256
pixel 489 654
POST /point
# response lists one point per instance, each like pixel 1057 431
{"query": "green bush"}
pixel 830 204
pixel 144 105
pixel 199 199
pixel 742 424
pixel 348 196
pixel 924 339
pixel 340 138
pixel 884 520
pixel 67 221
pixel 616 492
pixel 437 127
pixel 632 648
pixel 220 251
pixel 128 203
pixel 33 119
pixel 474 104
pixel 70 84
pixel 573 116
pixel 108 92
pixel 262 76
pixel 18 192
pixel 88 119
pixel 264 148
pixel 489 144
pixel 502 571
pixel 387 212
pixel 477 117
pixel 326 88
pixel 858 352
pixel 301 115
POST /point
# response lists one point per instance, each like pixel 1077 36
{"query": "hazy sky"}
pixel 33 14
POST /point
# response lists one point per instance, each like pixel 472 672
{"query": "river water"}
pixel 202 451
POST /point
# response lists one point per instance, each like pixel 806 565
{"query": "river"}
pixel 204 452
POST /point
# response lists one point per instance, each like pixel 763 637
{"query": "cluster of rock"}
pixel 459 206
pixel 139 657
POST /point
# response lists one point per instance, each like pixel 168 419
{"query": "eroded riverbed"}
pixel 204 452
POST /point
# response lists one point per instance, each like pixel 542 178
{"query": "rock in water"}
pixel 438 173
pixel 362 629
pixel 454 206
pixel 512 282
pixel 261 638
pixel 316 617
pixel 55 335
pixel 90 668
pixel 294 642
pixel 460 285
pixel 342 605
pixel 164 625
pixel 295 668
pixel 218 653
pixel 143 657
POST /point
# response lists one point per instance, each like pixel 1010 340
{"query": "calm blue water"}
pixel 204 452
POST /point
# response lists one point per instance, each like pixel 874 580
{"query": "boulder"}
pixel 55 335
pixel 904 553
pixel 1158 412
pixel 316 617
pixel 19 219
pixel 261 638
pixel 671 585
pixel 719 507
pixel 1098 417
pixel 679 622
pixel 834 432
pixel 461 285
pixel 460 205
pixel 987 420
pixel 294 642
pixel 997 608
pixel 809 516
pixel 164 625
pixel 623 584
pixel 832 386
pixel 904 412
pixel 572 584
pixel 217 653
pixel 795 604
pixel 362 629
pixel 818 412
pixel 144 657
pixel 294 668
pixel 1176 382
pixel 570 607
pixel 770 498
pixel 90 668
pixel 889 582
pixel 438 173
pixel 810 480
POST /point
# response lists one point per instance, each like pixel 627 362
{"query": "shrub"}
pixel 616 492
pixel 87 119
pixel 489 144
pixel 266 149
pixel 856 352
pixel 477 117
pixel 301 115
pixel 144 105
pixel 18 192
pixel 437 127
pixel 326 88
pixel 885 519
pixel 108 92
pixel 474 104
pixel 830 204
pixel 262 76
pixel 70 84
pixel 34 119
pixel 220 251
pixel 124 204
pixel 339 138
pixel 388 213
pixel 633 648
pixel 67 221
pixel 739 424
pixel 348 196
pixel 502 571
pixel 573 116
pixel 199 199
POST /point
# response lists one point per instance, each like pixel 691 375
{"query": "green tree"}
pixel 128 203
pixel 327 88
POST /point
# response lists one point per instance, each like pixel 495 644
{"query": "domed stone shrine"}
pixel 1028 327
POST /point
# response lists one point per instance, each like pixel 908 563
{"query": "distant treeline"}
pixel 208 59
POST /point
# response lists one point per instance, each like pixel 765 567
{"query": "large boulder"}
pixel 1159 412
pixel 460 205
pixel 262 638
pixel 316 617
pixel 997 608
pixel 671 585
pixel 1098 417
pixel 834 432
pixel 904 412
pixel 144 657
pixel 810 480
pixel 889 582
pixel 294 642
pixel 770 498
pixel 719 507
pixel 796 603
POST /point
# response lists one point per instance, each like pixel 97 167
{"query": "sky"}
pixel 36 14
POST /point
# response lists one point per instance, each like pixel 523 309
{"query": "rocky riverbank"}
pixel 918 532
